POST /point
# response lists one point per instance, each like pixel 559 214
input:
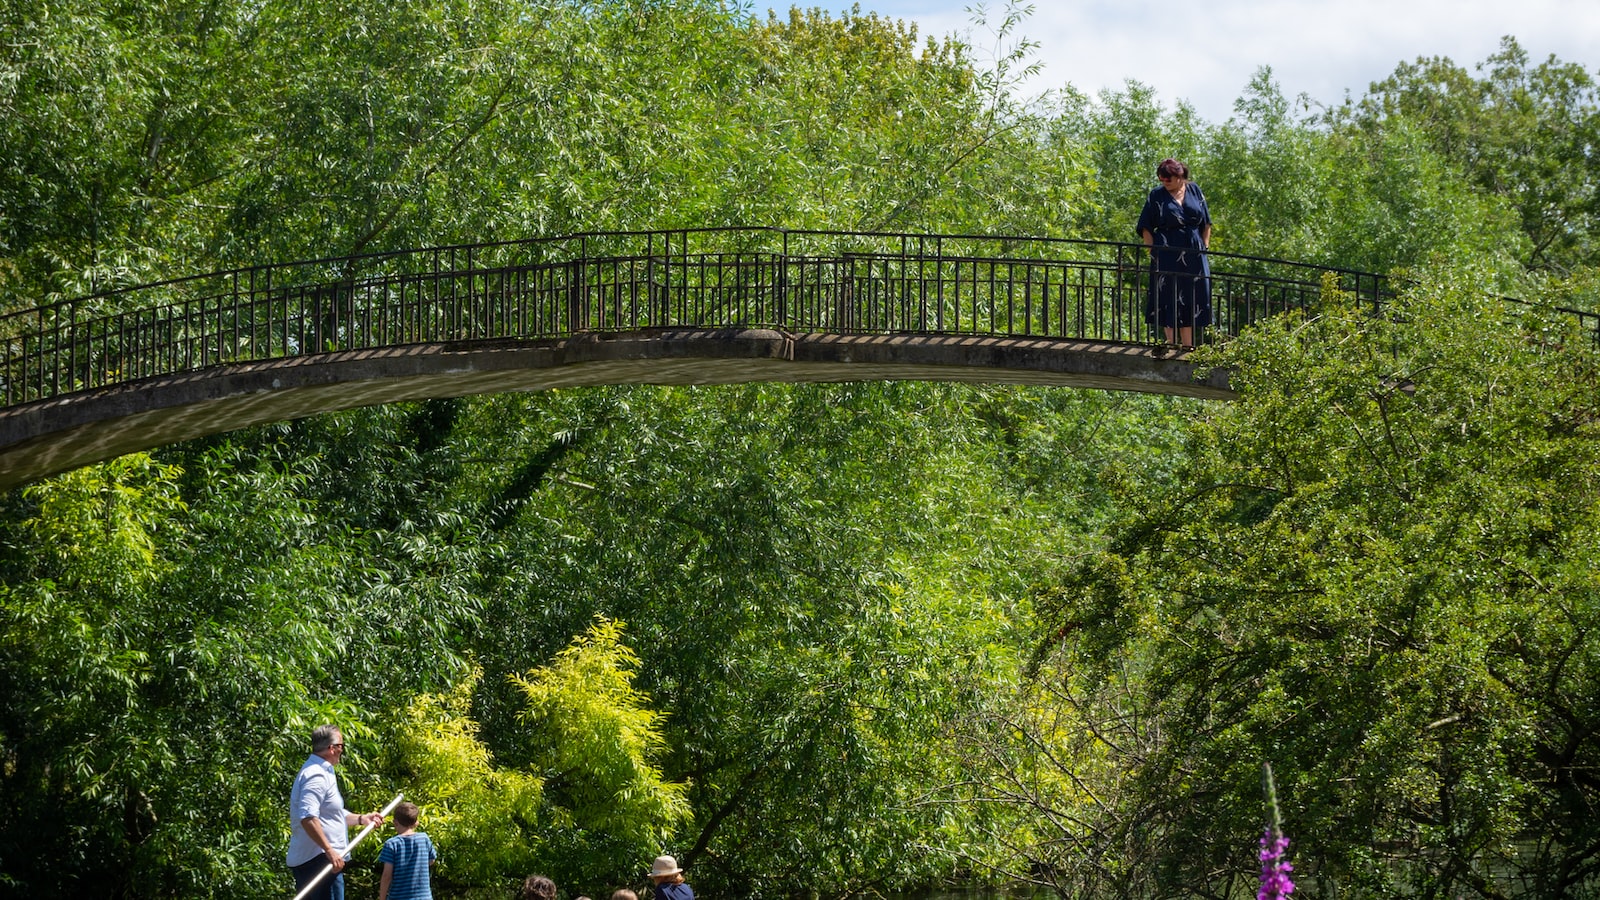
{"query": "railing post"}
pixel 668 264
pixel 72 344
pixel 782 315
pixel 474 316
pixel 847 294
pixel 574 295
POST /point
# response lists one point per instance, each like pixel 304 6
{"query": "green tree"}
pixel 795 614
pixel 1520 132
pixel 1121 139
pixel 1372 575
pixel 116 122
pixel 82 749
pixel 169 642
pixel 1263 180
pixel 484 818
pixel 591 735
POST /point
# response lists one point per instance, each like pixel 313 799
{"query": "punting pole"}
pixel 364 832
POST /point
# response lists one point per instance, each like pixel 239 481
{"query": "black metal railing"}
pixel 796 281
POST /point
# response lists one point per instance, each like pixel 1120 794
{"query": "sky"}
pixel 1206 53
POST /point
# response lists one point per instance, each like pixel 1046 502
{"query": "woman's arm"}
pixel 1205 215
pixel 1149 218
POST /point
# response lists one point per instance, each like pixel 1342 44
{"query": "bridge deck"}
pixel 48 436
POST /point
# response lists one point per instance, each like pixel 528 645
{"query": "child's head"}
pixel 538 887
pixel 623 894
pixel 405 815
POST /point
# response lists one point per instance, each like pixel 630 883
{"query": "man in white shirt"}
pixel 319 826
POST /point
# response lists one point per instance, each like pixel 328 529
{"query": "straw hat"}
pixel 663 866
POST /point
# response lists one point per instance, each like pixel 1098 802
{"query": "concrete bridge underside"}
pixel 62 433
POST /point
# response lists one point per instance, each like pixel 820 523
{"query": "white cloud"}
pixel 1207 53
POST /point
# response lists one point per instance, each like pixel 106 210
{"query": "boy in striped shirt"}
pixel 406 859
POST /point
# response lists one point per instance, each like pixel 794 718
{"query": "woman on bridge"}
pixel 1176 225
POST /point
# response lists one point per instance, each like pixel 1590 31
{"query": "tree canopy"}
pixel 855 637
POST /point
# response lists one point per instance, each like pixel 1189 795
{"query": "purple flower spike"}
pixel 1275 869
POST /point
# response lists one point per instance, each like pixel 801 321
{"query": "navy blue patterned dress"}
pixel 1180 273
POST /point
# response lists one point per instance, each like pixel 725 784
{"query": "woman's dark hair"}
pixel 1170 166
pixel 538 887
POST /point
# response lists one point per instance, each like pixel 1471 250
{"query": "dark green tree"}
pixel 1372 574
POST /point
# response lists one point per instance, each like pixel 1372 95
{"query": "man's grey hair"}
pixel 322 737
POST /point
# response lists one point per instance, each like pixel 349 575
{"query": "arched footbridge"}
pixel 91 378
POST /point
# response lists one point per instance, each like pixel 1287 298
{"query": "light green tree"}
pixel 593 738
pixel 484 818
pixel 581 797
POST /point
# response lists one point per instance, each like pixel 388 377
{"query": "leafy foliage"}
pixel 782 627
pixel 128 645
pixel 830 587
pixel 589 730
pixel 480 815
pixel 1370 576
pixel 1520 132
